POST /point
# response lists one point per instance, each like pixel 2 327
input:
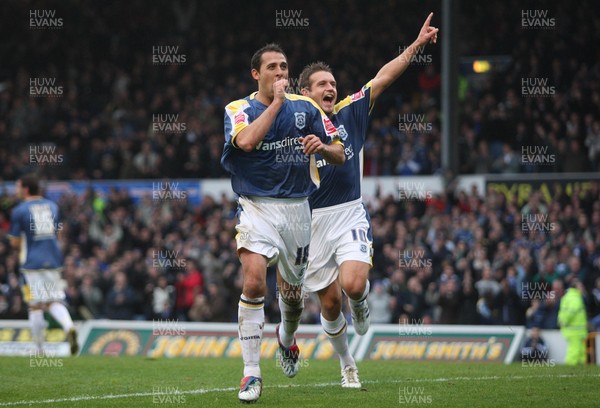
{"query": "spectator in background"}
pixel 91 299
pixel 217 301
pixel 534 349
pixel 575 160
pixel 163 297
pixel 550 306
pixel 146 162
pixel 510 305
pixel 486 308
pixel 487 283
pixel 543 311
pixel 4 307
pixel 107 234
pixel 120 300
pixel 449 301
pixel 379 304
pixel 468 305
pixel 201 309
pixel 592 142
pixel 483 160
pixel 508 162
pixel 534 314
pixel 188 285
pixel 429 80
pixel 414 300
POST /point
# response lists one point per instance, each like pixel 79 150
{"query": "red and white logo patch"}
pixel 329 127
pixel 360 94
pixel 239 118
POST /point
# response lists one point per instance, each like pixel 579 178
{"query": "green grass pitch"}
pixel 142 382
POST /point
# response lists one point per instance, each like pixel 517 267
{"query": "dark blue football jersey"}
pixel 277 167
pixel 341 184
pixel 36 222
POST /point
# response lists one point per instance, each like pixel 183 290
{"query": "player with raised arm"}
pixel 341 243
pixel 271 139
pixel 34 225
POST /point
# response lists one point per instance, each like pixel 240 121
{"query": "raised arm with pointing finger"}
pixel 393 69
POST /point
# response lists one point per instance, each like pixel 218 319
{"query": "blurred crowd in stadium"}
pixel 444 260
pixel 164 260
pixel 107 122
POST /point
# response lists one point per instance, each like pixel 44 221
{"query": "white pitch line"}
pixel 329 384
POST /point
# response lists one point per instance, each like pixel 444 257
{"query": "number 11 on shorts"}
pixel 302 255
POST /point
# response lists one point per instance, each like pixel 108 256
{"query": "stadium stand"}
pixel 105 127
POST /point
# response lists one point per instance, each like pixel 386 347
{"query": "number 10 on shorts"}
pixel 301 255
pixel 359 235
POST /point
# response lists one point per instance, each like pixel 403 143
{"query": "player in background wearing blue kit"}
pixel 341 243
pixel 270 141
pixel 34 224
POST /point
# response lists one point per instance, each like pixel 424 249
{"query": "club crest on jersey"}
pixel 342 131
pixel 300 119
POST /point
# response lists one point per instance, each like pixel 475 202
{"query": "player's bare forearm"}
pixel 255 132
pixel 393 69
pixel 334 153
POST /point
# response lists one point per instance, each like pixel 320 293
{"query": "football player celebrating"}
pixel 270 141
pixel 341 243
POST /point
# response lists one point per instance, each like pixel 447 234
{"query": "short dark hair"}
pixel 257 57
pixel 310 69
pixel 31 182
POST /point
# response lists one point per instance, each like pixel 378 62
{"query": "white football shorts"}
pixel 339 233
pixel 279 229
pixel 43 286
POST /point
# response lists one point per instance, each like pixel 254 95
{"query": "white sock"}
pixel 357 304
pixel 37 325
pixel 338 336
pixel 290 319
pixel 62 316
pixel 251 318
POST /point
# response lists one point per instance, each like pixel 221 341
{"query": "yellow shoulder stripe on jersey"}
pixel 235 106
pixel 342 104
pixel 348 100
pixel 294 97
pixel 232 109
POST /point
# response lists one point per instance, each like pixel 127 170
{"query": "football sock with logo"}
pixel 251 318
